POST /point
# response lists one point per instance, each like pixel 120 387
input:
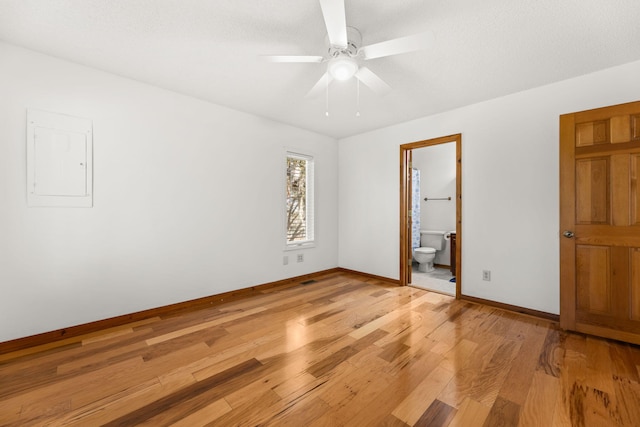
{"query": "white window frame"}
pixel 310 226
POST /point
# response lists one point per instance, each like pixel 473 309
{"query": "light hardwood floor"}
pixel 344 350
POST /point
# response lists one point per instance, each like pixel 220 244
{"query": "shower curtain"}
pixel 415 208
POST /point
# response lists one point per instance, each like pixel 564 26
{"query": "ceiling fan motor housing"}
pixel 354 41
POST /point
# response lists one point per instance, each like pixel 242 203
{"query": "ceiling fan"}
pixel 345 52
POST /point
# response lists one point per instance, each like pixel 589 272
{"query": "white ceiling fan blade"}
pixel 374 82
pixel 320 86
pixel 336 22
pixel 293 58
pixel 398 46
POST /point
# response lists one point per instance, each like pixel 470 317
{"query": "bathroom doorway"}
pixel 439 212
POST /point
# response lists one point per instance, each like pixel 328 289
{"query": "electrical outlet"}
pixel 285 260
pixel 300 257
pixel 486 275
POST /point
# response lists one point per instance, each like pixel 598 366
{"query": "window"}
pixel 299 200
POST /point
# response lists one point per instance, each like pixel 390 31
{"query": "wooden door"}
pixel 600 222
pixel 406 219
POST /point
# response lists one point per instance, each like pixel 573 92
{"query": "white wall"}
pixel 437 165
pixel 509 187
pixel 188 200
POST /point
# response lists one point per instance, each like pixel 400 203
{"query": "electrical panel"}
pixel 59 160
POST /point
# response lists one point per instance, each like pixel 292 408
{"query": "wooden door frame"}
pixel 405 198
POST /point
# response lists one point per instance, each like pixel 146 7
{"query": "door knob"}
pixel 568 234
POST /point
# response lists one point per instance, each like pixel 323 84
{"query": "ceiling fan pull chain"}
pixel 357 98
pixel 326 112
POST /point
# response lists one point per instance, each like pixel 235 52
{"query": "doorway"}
pixel 407 220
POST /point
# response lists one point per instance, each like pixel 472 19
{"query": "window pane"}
pixel 296 199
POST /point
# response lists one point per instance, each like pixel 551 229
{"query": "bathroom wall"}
pixel 437 166
pixel 188 200
pixel 510 198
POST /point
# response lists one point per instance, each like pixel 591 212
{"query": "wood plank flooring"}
pixel 344 350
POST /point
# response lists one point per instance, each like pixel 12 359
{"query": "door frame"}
pixel 405 208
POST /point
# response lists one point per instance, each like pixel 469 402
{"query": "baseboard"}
pixel 514 308
pixel 66 335
pixel 446 267
pixel 371 276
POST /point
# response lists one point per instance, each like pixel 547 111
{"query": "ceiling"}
pixel 212 50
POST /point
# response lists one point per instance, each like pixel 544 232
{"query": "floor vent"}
pixel 308 282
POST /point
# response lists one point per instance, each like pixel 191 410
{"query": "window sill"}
pixel 299 246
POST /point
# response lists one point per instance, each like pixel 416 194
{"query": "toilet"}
pixel 430 242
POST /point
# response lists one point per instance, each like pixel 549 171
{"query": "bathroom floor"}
pixel 437 280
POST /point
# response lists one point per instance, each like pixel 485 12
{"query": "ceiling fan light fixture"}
pixel 342 67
